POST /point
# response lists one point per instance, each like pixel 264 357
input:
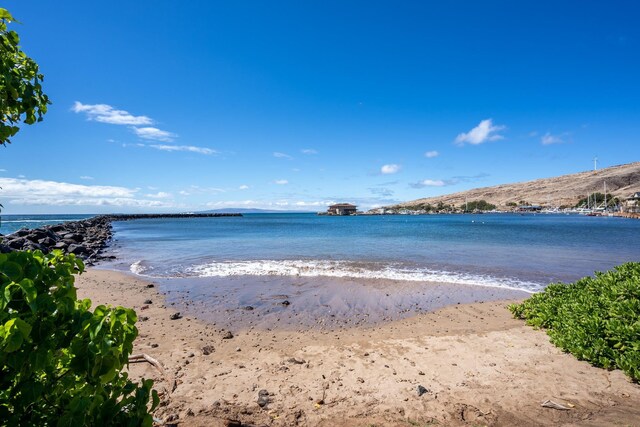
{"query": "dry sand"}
pixel 478 365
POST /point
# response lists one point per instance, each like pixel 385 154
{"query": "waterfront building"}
pixel 342 209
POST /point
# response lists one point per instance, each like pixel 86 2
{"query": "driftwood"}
pixel 143 357
pixel 553 405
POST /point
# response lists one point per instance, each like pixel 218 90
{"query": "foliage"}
pixel 21 96
pixel 60 363
pixel 441 207
pixel 427 207
pixel 479 205
pixel 597 319
pixel 512 204
pixel 597 199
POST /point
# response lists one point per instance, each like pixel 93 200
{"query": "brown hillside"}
pixel 622 181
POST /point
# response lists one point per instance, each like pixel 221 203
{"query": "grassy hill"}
pixel 565 190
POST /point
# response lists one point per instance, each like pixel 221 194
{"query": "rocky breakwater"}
pixel 85 239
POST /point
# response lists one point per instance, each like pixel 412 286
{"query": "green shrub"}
pixel 60 363
pixel 597 319
pixel 480 205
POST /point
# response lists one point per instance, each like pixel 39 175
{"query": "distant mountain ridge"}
pixel 565 190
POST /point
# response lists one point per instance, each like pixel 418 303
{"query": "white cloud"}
pixel 53 193
pixel 196 189
pixel 485 131
pixel 390 169
pixel 159 195
pixel 281 182
pixel 86 177
pixel 309 151
pixel 429 183
pixel 117 202
pixel 431 154
pixel 154 134
pixel 189 148
pixel 548 139
pixel 104 113
pixel 107 114
pixel 238 203
pixel 19 187
pixel 313 204
pixel 243 187
pixel 282 156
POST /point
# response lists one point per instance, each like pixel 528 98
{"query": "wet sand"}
pixel 316 303
pixel 475 363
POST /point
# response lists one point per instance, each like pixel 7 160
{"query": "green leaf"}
pixel 4 14
pixel 64 361
pixel 12 270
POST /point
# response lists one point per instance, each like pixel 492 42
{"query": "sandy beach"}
pixel 467 364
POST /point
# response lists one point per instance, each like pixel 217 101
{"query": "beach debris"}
pixel 296 361
pixel 150 285
pixel 154 345
pixel 421 390
pixel 175 316
pixel 263 398
pixel 248 307
pixel 360 380
pixel 227 335
pixel 207 350
pixel 285 303
pixel 148 301
pixel 553 405
pixel 143 357
pixel 143 318
pixel 170 421
pixel 233 423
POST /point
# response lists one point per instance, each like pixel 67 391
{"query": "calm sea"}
pixel 501 250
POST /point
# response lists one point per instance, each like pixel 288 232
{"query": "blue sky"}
pixel 180 106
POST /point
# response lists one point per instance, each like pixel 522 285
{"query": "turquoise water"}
pixel 502 250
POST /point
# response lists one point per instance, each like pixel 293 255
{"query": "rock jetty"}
pixel 86 238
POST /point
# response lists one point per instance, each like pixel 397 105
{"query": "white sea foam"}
pixel 346 269
pixel 138 268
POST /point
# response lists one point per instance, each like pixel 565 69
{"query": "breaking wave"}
pixel 350 269
pixel 139 268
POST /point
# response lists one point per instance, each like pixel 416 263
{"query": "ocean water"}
pixel 524 252
pixel 12 223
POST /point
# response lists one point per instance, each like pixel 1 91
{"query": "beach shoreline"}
pixel 323 303
pixel 467 364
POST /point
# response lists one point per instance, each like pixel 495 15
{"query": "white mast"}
pixel 605 195
pixel 595 164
